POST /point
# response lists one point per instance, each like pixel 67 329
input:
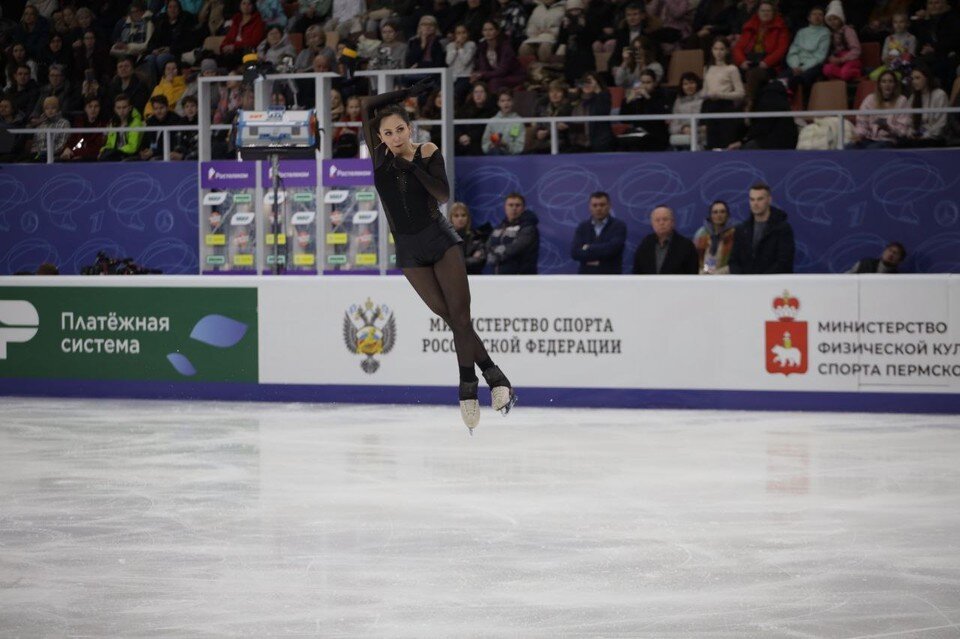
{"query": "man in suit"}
pixel 665 252
pixel 764 243
pixel 598 242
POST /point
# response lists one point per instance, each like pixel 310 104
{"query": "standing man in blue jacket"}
pixel 598 242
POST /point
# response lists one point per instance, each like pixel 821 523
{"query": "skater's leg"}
pixel 451 274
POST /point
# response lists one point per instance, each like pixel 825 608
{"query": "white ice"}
pixel 180 519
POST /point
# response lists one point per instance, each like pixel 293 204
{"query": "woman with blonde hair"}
pixel 474 247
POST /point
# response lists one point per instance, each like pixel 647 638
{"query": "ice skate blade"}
pixel 503 399
pixel 470 413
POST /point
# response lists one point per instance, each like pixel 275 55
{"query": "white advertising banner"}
pixel 790 333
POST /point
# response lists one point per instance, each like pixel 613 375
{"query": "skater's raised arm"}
pixel 434 177
pixel 370 104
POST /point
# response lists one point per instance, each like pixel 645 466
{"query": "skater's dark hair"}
pixel 393 109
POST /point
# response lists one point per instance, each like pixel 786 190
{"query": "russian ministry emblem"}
pixel 786 338
pixel 369 330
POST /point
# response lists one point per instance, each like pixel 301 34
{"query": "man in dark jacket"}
pixel 514 245
pixel 598 242
pixel 127 82
pixel 889 261
pixel 665 252
pixel 764 243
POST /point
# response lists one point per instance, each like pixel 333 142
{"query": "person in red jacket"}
pixel 246 32
pixel 762 46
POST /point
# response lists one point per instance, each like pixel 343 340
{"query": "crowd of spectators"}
pixel 509 58
pixel 763 244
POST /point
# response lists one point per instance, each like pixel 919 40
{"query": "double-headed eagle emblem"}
pixel 369 329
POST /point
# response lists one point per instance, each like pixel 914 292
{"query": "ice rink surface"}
pixel 166 519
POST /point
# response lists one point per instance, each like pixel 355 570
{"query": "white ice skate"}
pixel 469 405
pixel 502 395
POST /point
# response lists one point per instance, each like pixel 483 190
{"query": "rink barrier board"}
pixel 613 398
pixel 673 342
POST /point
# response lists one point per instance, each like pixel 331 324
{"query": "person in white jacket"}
pixel 504 138
pixel 460 53
pixel 543 28
pixel 928 129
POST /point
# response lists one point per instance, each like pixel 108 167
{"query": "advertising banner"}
pixel 223 174
pixel 347 172
pixel 130 333
pixel 293 174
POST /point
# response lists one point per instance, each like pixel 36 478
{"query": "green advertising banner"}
pixel 129 333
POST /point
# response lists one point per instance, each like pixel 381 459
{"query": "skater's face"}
pixel 394 132
pixel 599 208
pixel 513 208
pixel 662 221
pixel 759 202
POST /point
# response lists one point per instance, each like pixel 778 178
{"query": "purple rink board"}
pixel 844 205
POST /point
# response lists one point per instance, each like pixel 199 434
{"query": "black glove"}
pixel 422 87
pixel 402 164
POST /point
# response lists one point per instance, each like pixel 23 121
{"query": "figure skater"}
pixel 411 180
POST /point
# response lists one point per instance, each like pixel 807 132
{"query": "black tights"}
pixel 445 289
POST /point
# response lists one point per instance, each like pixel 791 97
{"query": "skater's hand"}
pixel 422 87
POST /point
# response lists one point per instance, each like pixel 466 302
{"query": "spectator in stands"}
pixel 637 58
pixel 45 8
pixel 86 21
pixel 185 143
pixel 634 20
pixel 346 140
pixel 542 29
pixel 246 31
pixel 714 240
pixel 770 133
pixel 461 52
pixel 879 132
pixel 595 137
pixel 763 244
pixel 131 35
pixel 844 62
pixel 153 145
pixel 574 42
pixel 85 147
pixel 172 86
pixel 676 22
pixel 51 119
pixel 208 68
pixel 928 129
pixel 598 242
pixel 938 36
pixel 92 55
pixel 58 87
pixel 722 93
pixel 471 14
pixel 122 144
pixel 889 262
pixel 711 19
pixel 55 53
pixel 762 46
pixel 647 98
pixel 272 12
pixel 175 33
pixel 807 53
pixel 32 32
pixel 496 63
pixel 602 20
pixel 510 16
pixel 505 138
pixel 212 18
pixel 11 119
pixel 18 57
pixel 345 18
pixel 899 48
pixel 315 43
pixel 311 13
pixel 474 247
pixel 392 52
pixel 688 101
pixel 275 46
pixel 24 92
pixel 514 245
pixel 554 105
pixel 664 252
pixel 128 83
pixel 478 105
pixel 424 50
pixel 336 105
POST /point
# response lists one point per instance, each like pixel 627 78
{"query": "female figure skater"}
pixel 411 181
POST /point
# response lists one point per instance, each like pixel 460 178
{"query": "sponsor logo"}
pixel 786 350
pixel 369 330
pixel 19 322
